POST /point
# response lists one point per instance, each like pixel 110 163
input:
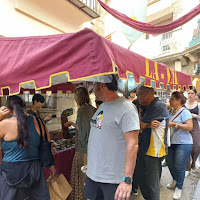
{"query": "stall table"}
pixel 63 163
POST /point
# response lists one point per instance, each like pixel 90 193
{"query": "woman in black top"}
pixel 194 108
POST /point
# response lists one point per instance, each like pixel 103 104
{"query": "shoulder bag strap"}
pixel 177 115
pixel 41 133
pixel 45 132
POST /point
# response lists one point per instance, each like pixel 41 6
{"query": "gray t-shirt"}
pixel 107 146
pixel 180 136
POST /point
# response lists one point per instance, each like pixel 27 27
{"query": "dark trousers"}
pixel 149 170
pixel 99 191
pixel 135 177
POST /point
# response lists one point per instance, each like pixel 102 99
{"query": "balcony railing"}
pixel 90 7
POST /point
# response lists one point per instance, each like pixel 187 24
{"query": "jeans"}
pixel 176 161
pixel 149 171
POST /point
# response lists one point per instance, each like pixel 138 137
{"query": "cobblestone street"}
pixel 166 194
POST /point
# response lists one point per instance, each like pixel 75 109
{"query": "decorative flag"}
pixel 135 9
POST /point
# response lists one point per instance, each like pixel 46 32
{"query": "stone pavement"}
pixel 197 192
pixel 190 188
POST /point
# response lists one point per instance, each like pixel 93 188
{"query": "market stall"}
pixel 45 61
pixel 63 163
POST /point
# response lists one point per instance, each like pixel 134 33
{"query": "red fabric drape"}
pixel 149 28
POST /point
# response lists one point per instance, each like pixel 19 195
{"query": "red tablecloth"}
pixel 63 163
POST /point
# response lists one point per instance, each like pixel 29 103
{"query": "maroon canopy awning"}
pixel 50 60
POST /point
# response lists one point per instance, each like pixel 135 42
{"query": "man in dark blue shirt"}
pixel 152 143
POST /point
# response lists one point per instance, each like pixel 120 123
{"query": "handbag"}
pixel 45 155
pixel 58 187
pixel 170 131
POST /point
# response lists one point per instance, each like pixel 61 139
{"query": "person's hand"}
pixel 48 118
pixel 155 124
pixel 123 191
pixel 172 124
pixel 52 171
pixel 4 112
pixel 67 124
pixel 53 150
pixel 194 116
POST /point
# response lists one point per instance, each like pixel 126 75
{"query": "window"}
pixel 166 48
pixel 166 40
pixel 167 36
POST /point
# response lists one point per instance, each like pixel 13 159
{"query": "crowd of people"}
pixel 122 144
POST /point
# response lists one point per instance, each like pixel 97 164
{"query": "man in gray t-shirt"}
pixel 112 146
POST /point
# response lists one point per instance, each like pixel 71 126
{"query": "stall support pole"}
pixel 126 89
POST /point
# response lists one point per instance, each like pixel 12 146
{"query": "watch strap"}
pixel 124 178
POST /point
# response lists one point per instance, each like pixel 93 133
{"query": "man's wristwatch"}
pixel 127 180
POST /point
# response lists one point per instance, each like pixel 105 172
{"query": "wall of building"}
pixel 35 17
pixel 49 17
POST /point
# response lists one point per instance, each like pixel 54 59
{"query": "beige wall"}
pixel 65 101
pixel 16 24
pixel 59 14
pixel 39 17
pixel 46 17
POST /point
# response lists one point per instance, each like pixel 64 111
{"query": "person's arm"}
pixel 150 119
pixel 52 168
pixel 48 118
pixel 153 124
pixel 195 115
pixel 187 126
pixel 68 124
pixel 123 190
pixel 4 112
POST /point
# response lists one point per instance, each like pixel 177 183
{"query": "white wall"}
pixel 152 48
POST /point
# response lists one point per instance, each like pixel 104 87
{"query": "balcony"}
pixel 91 7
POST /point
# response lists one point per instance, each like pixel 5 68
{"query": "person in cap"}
pixel 112 145
pixel 152 143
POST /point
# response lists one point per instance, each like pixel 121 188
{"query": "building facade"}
pixel 21 18
pixel 179 49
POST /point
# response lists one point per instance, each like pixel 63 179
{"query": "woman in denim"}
pixel 181 142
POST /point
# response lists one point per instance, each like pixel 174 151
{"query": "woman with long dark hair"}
pixel 82 125
pixel 21 174
pixel 180 120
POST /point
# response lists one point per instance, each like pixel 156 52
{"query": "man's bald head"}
pixel 145 95
pixel 146 90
